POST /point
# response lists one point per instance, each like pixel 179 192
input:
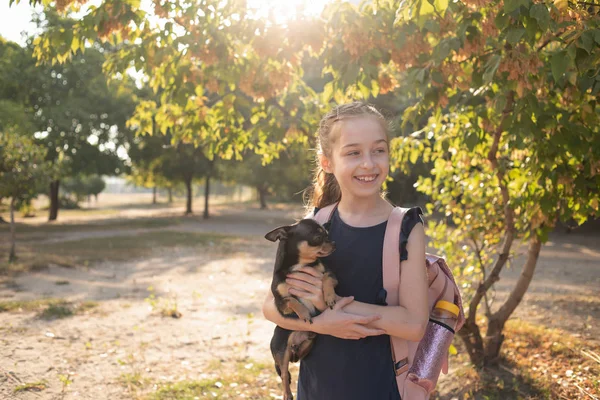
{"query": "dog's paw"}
pixel 330 303
pixel 309 320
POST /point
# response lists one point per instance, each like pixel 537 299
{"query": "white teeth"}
pixel 366 178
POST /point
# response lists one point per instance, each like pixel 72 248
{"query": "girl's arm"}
pixel 335 322
pixel 408 320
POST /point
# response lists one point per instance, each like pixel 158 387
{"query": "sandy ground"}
pixel 219 290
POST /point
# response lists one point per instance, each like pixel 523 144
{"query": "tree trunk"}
pixel 207 187
pixel 494 334
pixel 12 256
pixel 262 190
pixel 487 353
pixel 188 185
pixel 154 195
pixel 471 337
pixel 206 194
pixel 54 187
pixel 170 195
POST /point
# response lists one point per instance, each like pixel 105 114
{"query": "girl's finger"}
pixel 311 271
pixel 364 331
pixel 343 302
pixel 304 286
pixel 300 293
pixel 301 276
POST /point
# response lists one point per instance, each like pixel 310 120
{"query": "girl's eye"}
pixel 380 151
pixel 353 153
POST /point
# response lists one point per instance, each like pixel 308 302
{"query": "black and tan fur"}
pixel 300 245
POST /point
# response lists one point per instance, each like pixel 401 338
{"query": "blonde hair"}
pixel 325 189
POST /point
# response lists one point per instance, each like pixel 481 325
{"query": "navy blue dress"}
pixel 355 369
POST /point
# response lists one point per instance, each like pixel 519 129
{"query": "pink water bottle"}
pixel 434 345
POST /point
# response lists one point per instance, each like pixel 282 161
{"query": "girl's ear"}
pixel 325 164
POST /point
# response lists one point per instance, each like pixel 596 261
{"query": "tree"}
pixel 81 186
pixel 191 57
pixel 95 185
pixel 79 116
pixel 22 170
pixel 505 105
pixel 285 176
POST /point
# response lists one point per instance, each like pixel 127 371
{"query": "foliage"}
pixel 504 106
pixel 22 166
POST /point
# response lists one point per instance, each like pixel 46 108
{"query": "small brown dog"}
pixel 300 245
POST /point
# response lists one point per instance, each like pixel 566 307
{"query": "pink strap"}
pixel 391 257
pixel 325 213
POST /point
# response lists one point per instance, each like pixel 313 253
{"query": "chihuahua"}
pixel 300 245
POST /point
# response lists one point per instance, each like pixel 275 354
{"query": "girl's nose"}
pixel 367 162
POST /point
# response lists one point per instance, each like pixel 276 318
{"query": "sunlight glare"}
pixel 283 11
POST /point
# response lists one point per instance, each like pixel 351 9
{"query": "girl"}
pixel 351 359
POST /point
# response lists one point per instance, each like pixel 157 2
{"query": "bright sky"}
pixel 16 19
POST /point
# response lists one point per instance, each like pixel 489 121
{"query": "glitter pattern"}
pixel 429 357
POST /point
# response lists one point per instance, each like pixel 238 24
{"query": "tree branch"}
pixel 522 285
pixel 508 214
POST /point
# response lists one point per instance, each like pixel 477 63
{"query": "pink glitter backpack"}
pixel 416 374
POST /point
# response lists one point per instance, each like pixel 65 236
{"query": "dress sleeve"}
pixel 412 217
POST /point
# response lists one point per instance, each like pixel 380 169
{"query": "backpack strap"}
pixel 324 214
pixel 391 282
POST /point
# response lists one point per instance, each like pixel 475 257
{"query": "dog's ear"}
pixel 278 233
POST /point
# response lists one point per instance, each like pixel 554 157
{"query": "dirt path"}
pixel 219 290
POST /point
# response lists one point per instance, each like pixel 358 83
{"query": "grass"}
pixel 49 308
pixel 31 387
pixel 114 248
pixel 248 379
pixel 165 307
pixel 536 363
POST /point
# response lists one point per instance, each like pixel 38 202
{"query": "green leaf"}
pixel 501 21
pixel 441 5
pixel 425 10
pixel 514 35
pixel 531 28
pixel 597 35
pixel 374 88
pixel 471 140
pixel 586 41
pixel 328 92
pixel 541 14
pixel 559 63
pixel 490 68
pixel 432 26
pixel 75 44
pixel 512 5
pixel 561 4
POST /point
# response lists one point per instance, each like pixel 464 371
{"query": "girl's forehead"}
pixel 360 130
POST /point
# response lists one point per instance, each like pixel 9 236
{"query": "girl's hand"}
pixel 307 283
pixel 343 325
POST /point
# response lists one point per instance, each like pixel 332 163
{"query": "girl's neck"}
pixel 364 212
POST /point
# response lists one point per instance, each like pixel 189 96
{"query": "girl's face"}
pixel 359 157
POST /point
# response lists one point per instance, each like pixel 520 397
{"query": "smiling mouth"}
pixel 366 178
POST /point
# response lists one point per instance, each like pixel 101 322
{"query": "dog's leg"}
pixel 286 379
pixel 299 308
pixel 329 284
pixel 300 343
